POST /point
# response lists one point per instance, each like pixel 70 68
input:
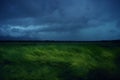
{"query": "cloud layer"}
pixel 60 19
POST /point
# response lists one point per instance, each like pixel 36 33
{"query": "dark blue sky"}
pixel 60 19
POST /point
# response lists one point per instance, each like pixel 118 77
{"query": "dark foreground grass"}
pixel 59 61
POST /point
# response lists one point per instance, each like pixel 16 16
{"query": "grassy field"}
pixel 59 61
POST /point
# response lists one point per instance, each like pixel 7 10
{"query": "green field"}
pixel 59 61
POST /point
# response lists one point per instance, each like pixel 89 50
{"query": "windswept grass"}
pixel 52 61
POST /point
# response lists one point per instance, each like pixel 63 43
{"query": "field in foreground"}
pixel 59 61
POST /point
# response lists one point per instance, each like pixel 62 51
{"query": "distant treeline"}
pixel 56 41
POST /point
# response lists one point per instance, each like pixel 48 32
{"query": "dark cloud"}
pixel 59 19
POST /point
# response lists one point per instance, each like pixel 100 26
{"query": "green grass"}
pixel 59 61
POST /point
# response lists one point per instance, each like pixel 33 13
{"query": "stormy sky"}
pixel 60 20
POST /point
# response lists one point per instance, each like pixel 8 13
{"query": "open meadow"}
pixel 59 61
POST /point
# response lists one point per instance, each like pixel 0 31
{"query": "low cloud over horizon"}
pixel 60 20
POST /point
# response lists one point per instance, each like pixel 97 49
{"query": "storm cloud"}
pixel 59 19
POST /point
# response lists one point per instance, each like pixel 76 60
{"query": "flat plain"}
pixel 59 61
